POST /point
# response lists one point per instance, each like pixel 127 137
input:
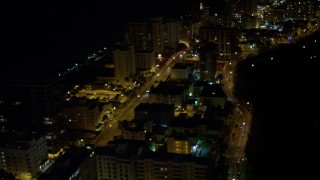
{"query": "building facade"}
pixel 82 114
pixel 124 62
pixel 146 34
pixel 36 105
pixel 208 55
pixel 159 166
pixel 25 157
pixel 145 60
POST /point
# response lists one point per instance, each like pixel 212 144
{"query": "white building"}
pixel 124 62
pixel 24 157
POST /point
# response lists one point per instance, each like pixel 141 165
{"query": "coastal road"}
pixel 127 112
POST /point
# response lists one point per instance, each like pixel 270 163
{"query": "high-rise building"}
pixel 124 62
pixel 195 10
pixel 146 34
pixel 317 9
pixel 250 7
pixel 24 155
pixel 208 55
pixel 82 113
pixel 171 33
pixel 189 29
pixel 300 10
pixel 145 60
pixel 35 105
pixel 225 38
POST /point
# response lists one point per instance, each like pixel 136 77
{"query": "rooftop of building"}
pixel 159 130
pixel 158 107
pixel 121 148
pixel 136 126
pixel 183 120
pixel 213 90
pixel 18 140
pixel 182 66
pixel 171 87
pixel 200 83
pixel 83 134
pixel 67 164
pixel 173 157
pixel 83 101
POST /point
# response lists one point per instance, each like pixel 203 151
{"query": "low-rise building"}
pixel 82 114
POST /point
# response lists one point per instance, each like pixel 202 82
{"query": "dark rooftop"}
pixel 122 148
pixel 173 157
pixel 182 66
pixel 213 90
pixel 169 88
pixel 154 107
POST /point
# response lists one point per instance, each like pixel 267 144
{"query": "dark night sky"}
pixel 34 31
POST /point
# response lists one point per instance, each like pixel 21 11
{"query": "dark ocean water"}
pixel 49 35
pixel 57 31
